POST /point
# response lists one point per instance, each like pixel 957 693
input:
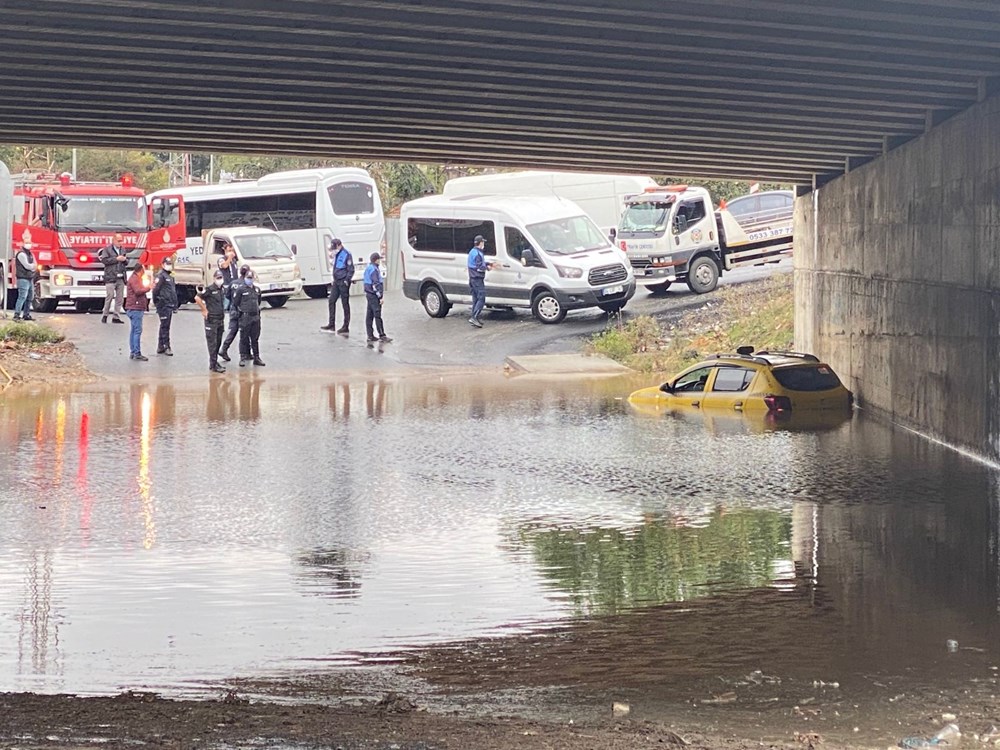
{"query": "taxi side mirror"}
pixel 667 388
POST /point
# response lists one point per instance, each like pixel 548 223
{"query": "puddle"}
pixel 169 537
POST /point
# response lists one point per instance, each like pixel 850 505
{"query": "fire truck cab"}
pixel 67 223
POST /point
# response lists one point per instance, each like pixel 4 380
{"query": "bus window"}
pixel 351 198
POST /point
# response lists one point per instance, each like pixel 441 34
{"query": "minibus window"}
pixel 429 235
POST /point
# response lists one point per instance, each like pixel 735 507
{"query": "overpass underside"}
pixel 897 280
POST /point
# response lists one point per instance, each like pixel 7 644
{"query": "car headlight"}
pixel 569 272
pixel 62 279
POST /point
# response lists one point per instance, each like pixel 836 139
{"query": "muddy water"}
pixel 173 537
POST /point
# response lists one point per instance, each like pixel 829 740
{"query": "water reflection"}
pixel 605 570
pixel 297 522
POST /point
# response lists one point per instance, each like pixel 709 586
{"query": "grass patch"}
pixel 756 314
pixel 29 333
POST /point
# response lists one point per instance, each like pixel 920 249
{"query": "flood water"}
pixel 170 537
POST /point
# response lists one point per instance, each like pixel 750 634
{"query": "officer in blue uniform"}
pixel 477 279
pixel 374 291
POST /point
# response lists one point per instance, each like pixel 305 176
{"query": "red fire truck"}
pixel 68 222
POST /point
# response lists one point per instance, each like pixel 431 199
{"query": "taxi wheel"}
pixel 703 275
pixel 545 306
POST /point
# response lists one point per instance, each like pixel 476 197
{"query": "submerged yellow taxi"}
pixel 751 383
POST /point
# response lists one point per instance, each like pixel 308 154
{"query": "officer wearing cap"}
pixel 477 279
pixel 211 300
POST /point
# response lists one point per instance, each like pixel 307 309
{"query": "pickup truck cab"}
pixel 276 272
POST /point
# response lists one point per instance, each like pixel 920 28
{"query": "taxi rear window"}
pixel 809 378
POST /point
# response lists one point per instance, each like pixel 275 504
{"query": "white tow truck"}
pixel 670 233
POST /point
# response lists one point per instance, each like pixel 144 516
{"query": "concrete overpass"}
pixel 889 107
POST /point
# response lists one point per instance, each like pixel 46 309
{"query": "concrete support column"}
pixel 6 227
pixel 897 279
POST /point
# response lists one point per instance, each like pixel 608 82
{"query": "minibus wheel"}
pixel 435 303
pixel 546 307
pixel 317 291
pixel 278 301
pixel 659 288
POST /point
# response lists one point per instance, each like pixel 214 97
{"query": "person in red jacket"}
pixel 136 304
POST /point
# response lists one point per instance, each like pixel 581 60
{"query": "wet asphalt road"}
pixel 291 341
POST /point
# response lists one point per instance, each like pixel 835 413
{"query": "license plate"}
pixel 272 287
pixel 98 277
pixel 613 290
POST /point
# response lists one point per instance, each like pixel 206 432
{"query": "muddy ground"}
pixel 43 364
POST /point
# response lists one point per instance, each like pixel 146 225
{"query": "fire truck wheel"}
pixel 47 305
pixel 316 291
pixel 277 301
pixel 703 275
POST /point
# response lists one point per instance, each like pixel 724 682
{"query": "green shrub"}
pixel 29 333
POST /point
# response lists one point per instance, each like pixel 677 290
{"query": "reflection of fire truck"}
pixel 68 222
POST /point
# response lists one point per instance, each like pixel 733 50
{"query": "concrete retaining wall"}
pixel 897 280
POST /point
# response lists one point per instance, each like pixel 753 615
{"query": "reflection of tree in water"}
pixel 333 572
pixel 606 570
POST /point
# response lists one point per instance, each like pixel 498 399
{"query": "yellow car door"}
pixel 728 388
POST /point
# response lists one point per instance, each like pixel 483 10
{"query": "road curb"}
pixel 564 364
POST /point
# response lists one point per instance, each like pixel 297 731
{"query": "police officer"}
pixel 343 274
pixel 165 302
pixel 374 291
pixel 229 285
pixel 211 302
pixel 246 302
pixel 477 279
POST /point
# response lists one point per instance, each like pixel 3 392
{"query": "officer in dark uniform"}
pixel 246 302
pixel 211 302
pixel 230 284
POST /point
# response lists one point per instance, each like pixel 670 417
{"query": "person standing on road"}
pixel 165 302
pixel 343 275
pixel 115 267
pixel 374 292
pixel 25 269
pixel 246 302
pixel 230 283
pixel 136 304
pixel 212 304
pixel 477 279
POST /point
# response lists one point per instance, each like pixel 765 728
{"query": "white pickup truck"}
pixel 276 273
pixel 672 234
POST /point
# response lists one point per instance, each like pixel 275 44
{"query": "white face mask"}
pixel 218 282
pixel 28 247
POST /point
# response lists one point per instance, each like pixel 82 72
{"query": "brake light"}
pixel 778 403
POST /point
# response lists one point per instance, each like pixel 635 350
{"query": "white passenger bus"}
pixel 307 207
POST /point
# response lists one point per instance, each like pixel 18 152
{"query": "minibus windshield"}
pixel 568 236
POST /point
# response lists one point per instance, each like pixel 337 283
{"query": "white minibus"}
pixel 549 255
pixel 307 207
pixel 601 196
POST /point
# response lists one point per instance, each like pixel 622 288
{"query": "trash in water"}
pixel 946 736
pixel 620 709
pixel 952 646
pixel 34 355
pixel 720 699
pixel 821 684
pixel 990 734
